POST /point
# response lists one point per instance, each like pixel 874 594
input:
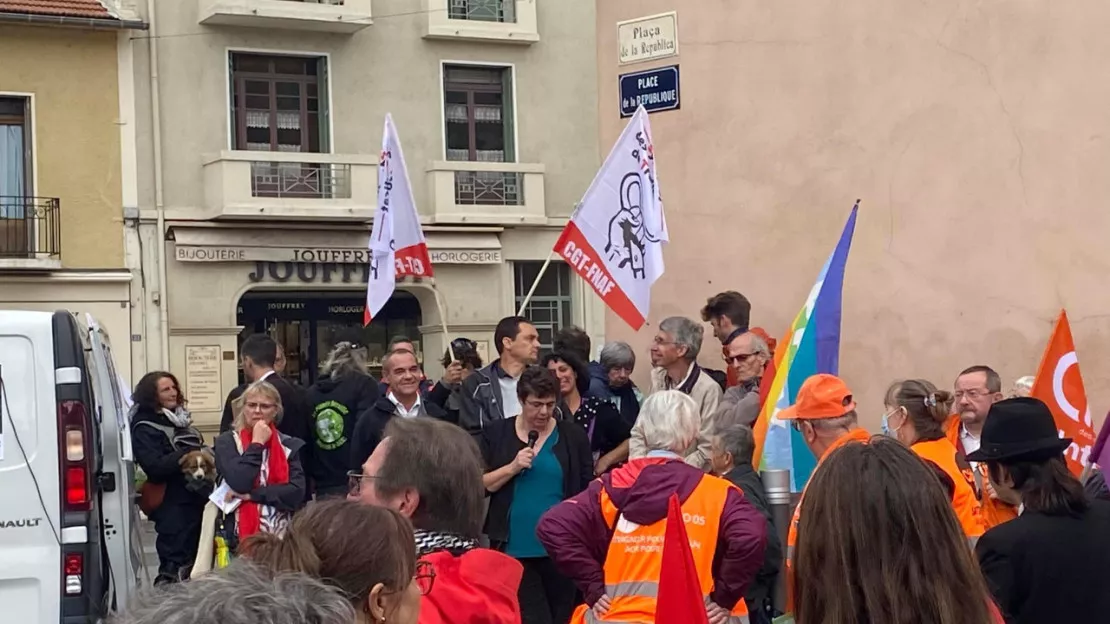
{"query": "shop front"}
pixel 306 288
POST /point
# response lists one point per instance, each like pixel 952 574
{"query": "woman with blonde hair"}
pixel 878 544
pixel 364 551
pixel 344 390
pixel 260 465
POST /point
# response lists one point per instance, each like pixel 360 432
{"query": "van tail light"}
pixel 74 568
pixel 76 460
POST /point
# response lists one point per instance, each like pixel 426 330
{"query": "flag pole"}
pixel 442 317
pixel 535 283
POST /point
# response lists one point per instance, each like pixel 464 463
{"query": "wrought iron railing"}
pixel 482 10
pixel 30 227
pixel 301 180
pixel 489 188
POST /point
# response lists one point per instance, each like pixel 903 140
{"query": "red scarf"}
pixel 250 515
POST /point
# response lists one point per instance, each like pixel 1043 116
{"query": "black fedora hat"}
pixel 1021 428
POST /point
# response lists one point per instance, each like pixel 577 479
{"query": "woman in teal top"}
pixel 534 461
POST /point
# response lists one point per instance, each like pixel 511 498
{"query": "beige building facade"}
pixel 975 135
pixel 258 173
pixel 63 175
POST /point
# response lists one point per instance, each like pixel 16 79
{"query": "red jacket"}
pixel 477 587
pixel 576 535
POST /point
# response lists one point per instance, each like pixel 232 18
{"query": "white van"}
pixel 68 546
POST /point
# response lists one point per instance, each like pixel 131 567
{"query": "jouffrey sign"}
pixel 323 255
pixel 647 38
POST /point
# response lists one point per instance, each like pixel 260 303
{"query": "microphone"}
pixel 533 437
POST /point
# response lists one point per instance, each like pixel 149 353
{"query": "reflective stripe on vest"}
pixel 634 557
pixel 643 589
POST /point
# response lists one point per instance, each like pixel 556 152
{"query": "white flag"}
pixel 614 240
pixel 397 246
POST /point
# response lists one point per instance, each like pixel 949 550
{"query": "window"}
pixel 549 307
pixel 483 10
pixel 279 103
pixel 478 113
pixel 15 150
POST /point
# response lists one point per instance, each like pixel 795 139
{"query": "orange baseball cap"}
pixel 821 396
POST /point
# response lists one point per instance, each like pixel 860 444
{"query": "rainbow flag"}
pixel 811 346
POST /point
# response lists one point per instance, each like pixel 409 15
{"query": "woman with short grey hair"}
pixel 670 424
pixel 619 360
pixel 218 598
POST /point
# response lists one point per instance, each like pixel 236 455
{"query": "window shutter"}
pixel 508 115
pixel 322 93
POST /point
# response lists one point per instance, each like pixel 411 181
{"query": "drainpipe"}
pixel 159 201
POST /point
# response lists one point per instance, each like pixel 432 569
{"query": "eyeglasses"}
pixel 739 358
pixel 355 479
pixel 261 407
pixel 543 406
pixel 425 577
pixel 657 341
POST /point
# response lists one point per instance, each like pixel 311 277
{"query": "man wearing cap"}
pixel 825 415
pixel 1049 563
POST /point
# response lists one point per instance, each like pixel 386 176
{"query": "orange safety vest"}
pixel 855 435
pixel 994 511
pixel 964 501
pixel 632 563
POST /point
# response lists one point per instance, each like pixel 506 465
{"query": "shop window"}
pixel 549 309
pixel 478 113
pixel 308 326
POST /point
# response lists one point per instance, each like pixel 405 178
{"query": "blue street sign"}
pixel 656 89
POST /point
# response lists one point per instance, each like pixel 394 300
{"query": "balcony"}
pixel 493 21
pixel 290 185
pixel 30 232
pixel 336 16
pixel 487 193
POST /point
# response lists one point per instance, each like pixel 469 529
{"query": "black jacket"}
pixel 610 430
pixel 500 444
pixel 444 396
pixel 482 402
pixel 1044 568
pixel 160 460
pixel 241 472
pixel 336 405
pixel 371 424
pixel 761 592
pixel 296 417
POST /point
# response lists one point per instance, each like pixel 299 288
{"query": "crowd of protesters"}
pixel 537 489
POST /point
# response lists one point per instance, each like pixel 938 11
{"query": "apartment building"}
pixel 974 133
pixel 258 172
pixel 64 125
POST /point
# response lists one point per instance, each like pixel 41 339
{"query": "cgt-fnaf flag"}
pixel 1060 386
pixel 614 240
pixel 397 245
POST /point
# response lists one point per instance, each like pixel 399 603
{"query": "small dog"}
pixel 199 468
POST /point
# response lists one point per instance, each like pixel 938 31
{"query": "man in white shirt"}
pixel 976 390
pixel 403 374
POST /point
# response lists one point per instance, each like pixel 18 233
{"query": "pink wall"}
pixel 975 133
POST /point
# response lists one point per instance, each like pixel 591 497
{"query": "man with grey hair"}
pixel 617 362
pixel 731 456
pixel 674 354
pixel 242 594
pixel 746 355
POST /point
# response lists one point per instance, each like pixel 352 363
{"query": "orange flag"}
pixel 1060 386
pixel 680 598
